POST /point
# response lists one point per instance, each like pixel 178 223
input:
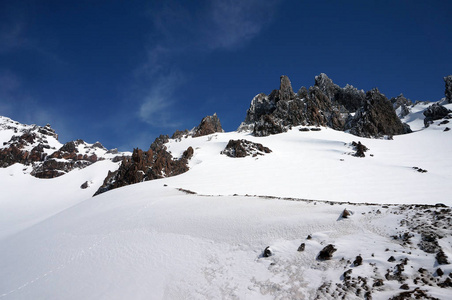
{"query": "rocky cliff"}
pixel 368 114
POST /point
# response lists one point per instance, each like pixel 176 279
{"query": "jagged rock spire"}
pixel 285 88
pixel 448 91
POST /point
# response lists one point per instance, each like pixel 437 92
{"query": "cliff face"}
pixel 324 104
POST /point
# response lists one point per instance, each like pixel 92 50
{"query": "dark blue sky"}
pixel 123 72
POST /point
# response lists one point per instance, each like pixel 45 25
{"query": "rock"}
pixel 285 89
pixel 345 214
pixel 441 258
pixel 155 163
pixel 358 261
pixel 243 148
pixel 403 103
pixel 391 259
pixel 208 125
pixel 448 91
pixel 84 185
pixel 267 252
pixel 435 112
pixel 327 252
pixel 301 247
pixel 376 118
pixel 405 287
pixel 267 125
pixel 439 272
pixel 360 149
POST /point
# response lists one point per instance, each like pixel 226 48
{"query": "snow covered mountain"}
pixel 314 212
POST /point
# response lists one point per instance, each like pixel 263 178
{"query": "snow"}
pixel 153 241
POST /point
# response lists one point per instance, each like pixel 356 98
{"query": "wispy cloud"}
pixel 179 30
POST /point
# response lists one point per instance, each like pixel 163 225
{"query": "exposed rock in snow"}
pixel 155 163
pixel 327 252
pixel 243 148
pixel 435 112
pixel 401 105
pixel 208 125
pixel 324 104
pixel 376 118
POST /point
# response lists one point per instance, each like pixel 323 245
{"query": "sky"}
pixel 124 72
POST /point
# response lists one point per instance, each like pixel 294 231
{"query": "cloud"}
pixel 234 22
pixel 180 29
pixel 157 101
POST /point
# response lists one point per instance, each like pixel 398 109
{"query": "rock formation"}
pixel 243 148
pixel 157 162
pixel 36 146
pixel 324 104
pixel 448 91
pixel 435 112
pixel 208 125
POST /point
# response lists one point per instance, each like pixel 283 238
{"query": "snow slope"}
pixel 152 241
pixel 316 165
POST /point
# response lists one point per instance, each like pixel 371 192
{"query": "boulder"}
pixel 243 148
pixel 435 112
pixel 327 252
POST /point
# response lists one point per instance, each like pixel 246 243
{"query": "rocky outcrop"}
pixel 376 118
pixel 155 163
pixel 39 148
pixel 401 105
pixel 324 104
pixel 243 148
pixel 208 125
pixel 448 91
pixel 435 112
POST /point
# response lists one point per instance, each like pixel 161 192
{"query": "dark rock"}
pixel 155 163
pixel 378 282
pixel 391 259
pixel 267 126
pixel 84 185
pixel 309 237
pixel 208 125
pixel 441 258
pixel 327 252
pixel 435 112
pixel 439 272
pixel 447 283
pixel 345 214
pixel 403 103
pixel 376 118
pixel 267 252
pixel 405 287
pixel 360 149
pixel 243 148
pixel 285 89
pixel 448 90
pixel 301 247
pixel 446 129
pixel 358 261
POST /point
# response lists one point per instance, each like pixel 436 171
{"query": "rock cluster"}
pixel 368 114
pixel 435 112
pixel 38 147
pixel 243 148
pixel 157 162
